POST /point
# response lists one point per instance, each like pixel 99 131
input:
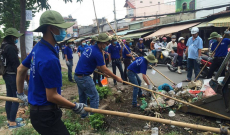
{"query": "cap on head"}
pixel 164 38
pixel 173 37
pixel 54 18
pixel 214 35
pixel 140 39
pixel 13 32
pixel 114 38
pixel 181 38
pixel 94 38
pixel 151 58
pixel 194 30
pixel 103 37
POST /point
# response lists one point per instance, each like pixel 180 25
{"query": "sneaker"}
pixel 16 126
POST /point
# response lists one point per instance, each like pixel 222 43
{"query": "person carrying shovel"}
pixel 44 95
pixel 91 59
pixel 139 66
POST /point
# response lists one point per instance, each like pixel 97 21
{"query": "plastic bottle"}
pixel 155 131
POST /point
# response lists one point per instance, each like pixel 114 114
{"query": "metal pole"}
pixel 96 18
pixel 115 19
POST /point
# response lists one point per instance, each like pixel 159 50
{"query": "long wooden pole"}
pixel 135 116
pixel 138 56
pixel 96 17
pixel 152 92
pixel 211 56
pixel 206 110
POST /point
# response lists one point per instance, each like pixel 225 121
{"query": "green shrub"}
pixel 97 121
pixel 26 130
pixel 2 120
pixel 73 127
pixel 103 91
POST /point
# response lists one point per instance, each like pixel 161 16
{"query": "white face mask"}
pixel 173 40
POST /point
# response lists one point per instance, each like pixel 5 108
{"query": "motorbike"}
pixel 175 67
pixel 204 73
pixel 164 57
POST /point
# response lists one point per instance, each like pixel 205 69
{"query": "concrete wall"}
pixel 209 3
pixel 85 30
pixel 119 26
pixel 177 18
pixel 151 22
pixel 70 30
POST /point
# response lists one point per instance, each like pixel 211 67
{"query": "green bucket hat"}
pixel 53 18
pixel 114 38
pixel 13 32
pixel 129 40
pixel 103 37
pixel 214 35
pixel 94 38
pixel 151 58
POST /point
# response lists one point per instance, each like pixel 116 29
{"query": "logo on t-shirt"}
pixel 87 52
pixel 139 61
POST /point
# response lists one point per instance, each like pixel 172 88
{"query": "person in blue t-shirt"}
pixel 63 48
pixel 194 46
pixel 44 95
pixel 69 59
pixel 91 59
pixel 220 53
pixel 81 48
pixel 115 53
pixel 127 56
pixel 139 66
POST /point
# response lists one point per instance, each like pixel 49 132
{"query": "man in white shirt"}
pixel 170 47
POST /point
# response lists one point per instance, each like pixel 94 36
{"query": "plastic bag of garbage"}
pixel 209 92
pixel 165 87
pixel 171 93
pixel 170 102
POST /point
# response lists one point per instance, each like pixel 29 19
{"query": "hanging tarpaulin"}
pixel 221 22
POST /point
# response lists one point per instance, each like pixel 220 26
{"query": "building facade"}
pixel 72 31
pixel 137 8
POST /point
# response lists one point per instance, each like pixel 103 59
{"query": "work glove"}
pixel 198 60
pixel 150 87
pixel 22 97
pixel 79 108
pixel 209 58
pixel 227 32
pixel 67 63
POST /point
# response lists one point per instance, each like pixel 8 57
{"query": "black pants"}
pixel 96 77
pixel 215 66
pixel 127 62
pixel 48 122
pixel 117 63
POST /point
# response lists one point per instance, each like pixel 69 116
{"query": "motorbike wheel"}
pixel 167 61
pixel 172 69
pixel 204 73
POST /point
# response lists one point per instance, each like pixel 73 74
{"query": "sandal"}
pixel 186 80
pixel 16 126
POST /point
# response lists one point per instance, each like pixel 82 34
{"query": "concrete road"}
pixel 156 78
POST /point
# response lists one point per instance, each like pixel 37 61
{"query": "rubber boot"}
pixel 179 70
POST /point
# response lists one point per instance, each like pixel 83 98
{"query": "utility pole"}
pixel 115 19
pixel 23 29
pixel 96 18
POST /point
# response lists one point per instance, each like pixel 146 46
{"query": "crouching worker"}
pixel 44 95
pixel 139 66
pixel 91 59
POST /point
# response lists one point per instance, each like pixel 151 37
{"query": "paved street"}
pixel 156 78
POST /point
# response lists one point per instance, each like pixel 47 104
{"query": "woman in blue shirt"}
pixel 81 48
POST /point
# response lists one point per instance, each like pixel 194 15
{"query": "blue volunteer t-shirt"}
pixel 222 50
pixel 45 72
pixel 114 51
pixel 63 47
pixel 141 46
pixel 82 48
pixel 139 65
pixel 57 48
pixel 89 60
pixel 124 52
pixel 69 52
pixel 193 47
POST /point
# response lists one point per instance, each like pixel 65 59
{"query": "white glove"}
pixel 67 63
pixel 227 32
pixel 22 97
pixel 209 58
pixel 79 108
pixel 150 87
pixel 198 60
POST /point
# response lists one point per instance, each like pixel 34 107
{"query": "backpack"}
pixel 2 61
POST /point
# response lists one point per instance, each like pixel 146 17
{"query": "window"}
pixel 150 2
pixel 141 1
pixel 192 5
pixel 184 6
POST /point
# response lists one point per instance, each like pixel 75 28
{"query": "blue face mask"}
pixel 16 41
pixel 61 36
pixel 214 40
pixel 83 43
pixel 115 42
pixel 130 44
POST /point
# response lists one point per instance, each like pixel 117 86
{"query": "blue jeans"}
pixel 154 52
pixel 180 59
pixel 135 79
pixel 117 63
pixel 192 64
pixel 86 88
pixel 70 68
pixel 11 107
